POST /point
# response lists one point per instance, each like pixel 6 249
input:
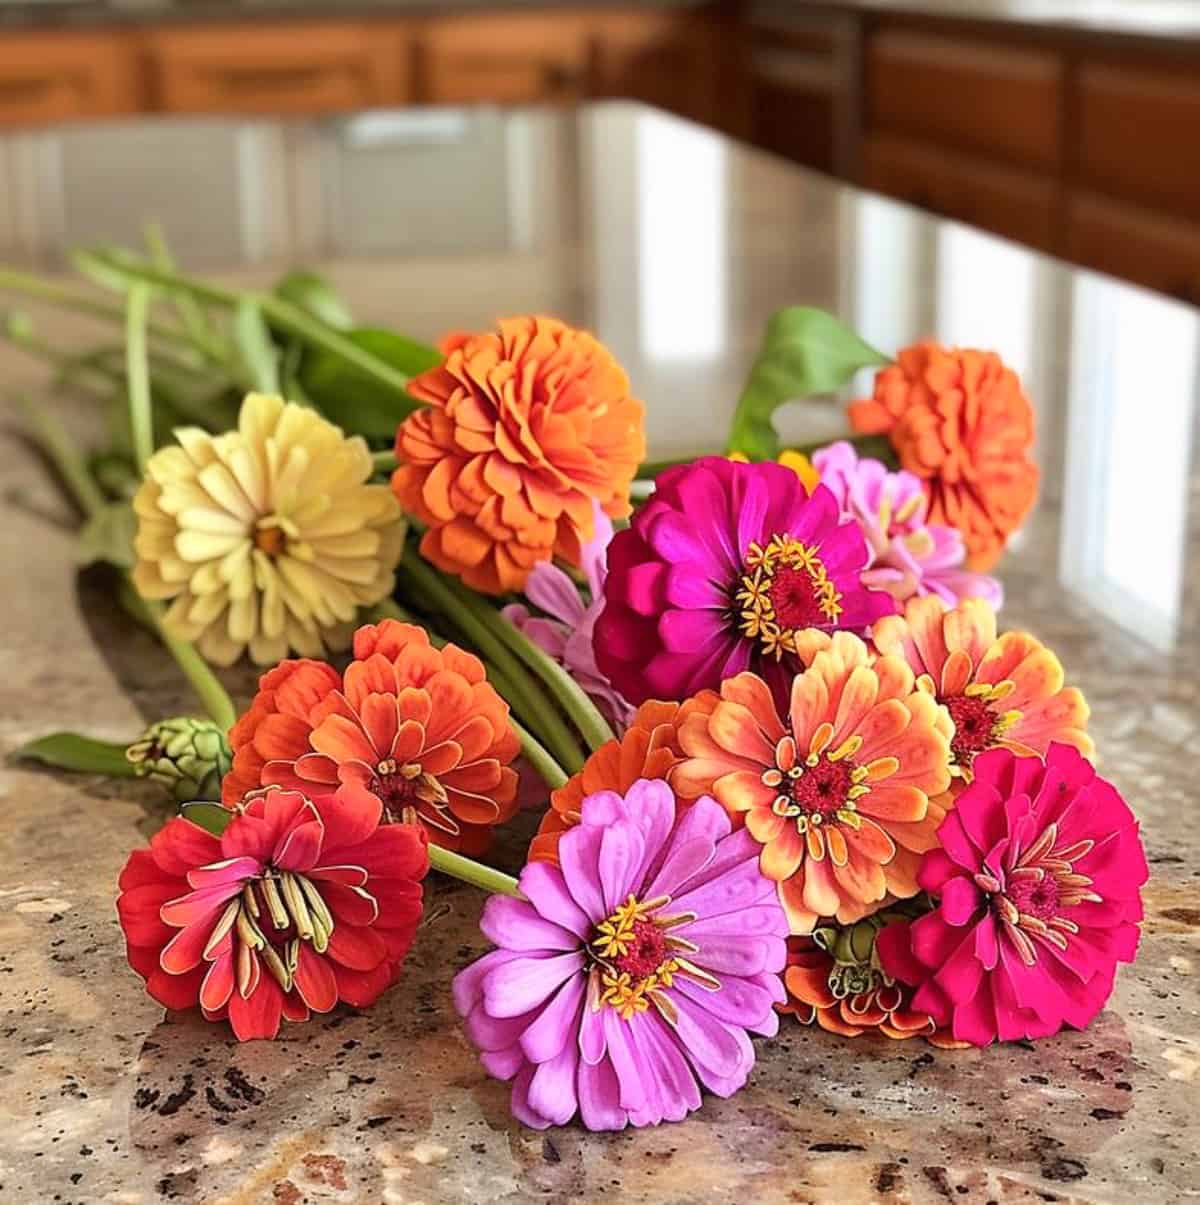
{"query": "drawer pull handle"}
pixel 17 90
pixel 249 79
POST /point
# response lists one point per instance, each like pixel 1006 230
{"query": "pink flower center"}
pixel 1032 900
pixel 823 789
pixel 783 590
pixel 1035 897
pixel 646 951
pixel 975 724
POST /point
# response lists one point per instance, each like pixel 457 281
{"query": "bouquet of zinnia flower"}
pixel 790 765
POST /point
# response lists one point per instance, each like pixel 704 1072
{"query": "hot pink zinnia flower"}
pixel 299 904
pixel 631 972
pixel 567 635
pixel 1038 884
pixel 908 555
pixel 723 570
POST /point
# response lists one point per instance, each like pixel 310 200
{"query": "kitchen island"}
pixel 674 245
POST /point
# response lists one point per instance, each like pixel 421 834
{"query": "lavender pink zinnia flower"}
pixel 566 631
pixel 724 570
pixel 908 555
pixel 629 975
pixel 1038 881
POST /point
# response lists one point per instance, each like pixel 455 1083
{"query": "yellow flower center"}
pixel 784 589
pixel 635 957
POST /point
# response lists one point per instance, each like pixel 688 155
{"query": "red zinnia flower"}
pixel 299 904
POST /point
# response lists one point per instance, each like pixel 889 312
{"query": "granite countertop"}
pixel 106 1099
pixel 1159 21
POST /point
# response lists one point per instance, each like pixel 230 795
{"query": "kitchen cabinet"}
pixel 995 100
pixel 1160 252
pixel 310 67
pixel 51 77
pixel 1015 203
pixel 503 58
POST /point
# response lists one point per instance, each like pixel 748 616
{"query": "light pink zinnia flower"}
pixel 632 970
pixel 908 556
pixel 567 634
pixel 1038 881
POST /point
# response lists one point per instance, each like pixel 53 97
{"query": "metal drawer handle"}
pixel 243 79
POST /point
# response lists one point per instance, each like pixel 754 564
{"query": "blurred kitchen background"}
pixel 1070 126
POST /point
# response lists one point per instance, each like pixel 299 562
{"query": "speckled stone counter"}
pixel 105 1099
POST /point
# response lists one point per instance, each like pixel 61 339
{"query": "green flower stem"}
pixel 551 773
pixel 198 672
pixel 385 462
pixel 191 313
pixel 137 370
pixel 570 695
pixel 278 312
pixel 475 873
pixel 53 439
pixel 78 301
pixel 522 695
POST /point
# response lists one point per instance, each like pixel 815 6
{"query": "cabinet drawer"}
pixel 63 77
pixel 1159 252
pixel 308 68
pixel 1138 134
pixel 511 58
pixel 997 99
pixel 1016 204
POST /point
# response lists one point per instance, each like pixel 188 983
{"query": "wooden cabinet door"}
pixel 279 68
pixel 48 77
pixel 1013 203
pixel 975 95
pixel 666 59
pixel 1139 133
pixel 503 58
pixel 1159 252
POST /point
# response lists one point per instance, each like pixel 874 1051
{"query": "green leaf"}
pixel 348 397
pixel 316 296
pixel 255 347
pixel 805 351
pixel 107 536
pixel 211 817
pixel 70 751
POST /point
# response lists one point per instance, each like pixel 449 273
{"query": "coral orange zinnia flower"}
pixel 960 421
pixel 1004 691
pixel 419 727
pixel 838 790
pixel 648 749
pixel 523 430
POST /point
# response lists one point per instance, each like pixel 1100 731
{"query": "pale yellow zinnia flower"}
pixel 267 537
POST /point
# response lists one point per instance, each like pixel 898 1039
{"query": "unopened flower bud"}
pixel 187 756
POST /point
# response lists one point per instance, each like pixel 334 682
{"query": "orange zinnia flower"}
pixel 524 429
pixel 837 792
pixel 1002 691
pixel 420 727
pixel 959 420
pixel 648 749
pixel 852 998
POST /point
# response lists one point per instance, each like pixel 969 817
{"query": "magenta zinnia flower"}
pixel 566 630
pixel 908 556
pixel 632 972
pixel 1038 884
pixel 723 570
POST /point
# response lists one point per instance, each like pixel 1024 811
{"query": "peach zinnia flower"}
pixel 419 727
pixel 648 748
pixel 960 421
pixel 837 792
pixel 523 430
pixel 1002 692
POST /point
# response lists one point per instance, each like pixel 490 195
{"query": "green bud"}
pixel 189 757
